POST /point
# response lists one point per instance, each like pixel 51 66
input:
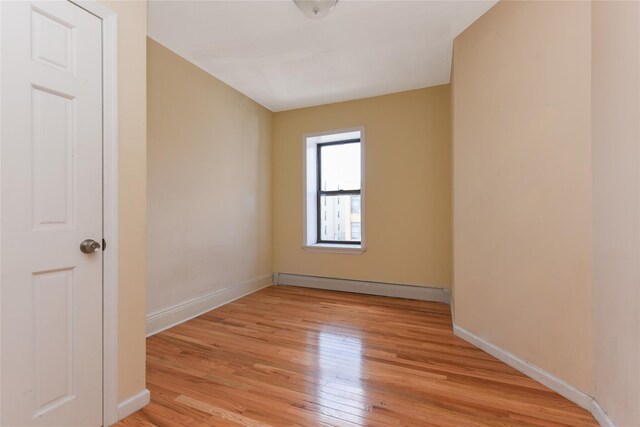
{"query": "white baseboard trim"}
pixel 561 387
pixel 554 383
pixel 425 293
pixel 600 415
pixel 179 313
pixel 133 404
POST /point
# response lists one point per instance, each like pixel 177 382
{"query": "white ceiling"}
pixel 271 52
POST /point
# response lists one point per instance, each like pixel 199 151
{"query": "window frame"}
pixel 311 196
pixel 320 192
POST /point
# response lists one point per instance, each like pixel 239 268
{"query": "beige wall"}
pixel 522 184
pixel 521 104
pixel 209 177
pixel 408 188
pixel 616 207
pixel 132 21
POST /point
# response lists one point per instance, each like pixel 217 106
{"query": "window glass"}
pixel 355 204
pixel 355 230
pixel 337 221
pixel 340 167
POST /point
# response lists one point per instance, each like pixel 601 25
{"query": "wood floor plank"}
pixel 287 356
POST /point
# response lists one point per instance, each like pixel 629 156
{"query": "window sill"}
pixel 335 248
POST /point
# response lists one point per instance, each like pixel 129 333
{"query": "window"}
pixel 338 185
pixel 334 192
pixel 355 204
pixel 355 230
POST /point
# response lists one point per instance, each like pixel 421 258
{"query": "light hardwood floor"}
pixel 289 356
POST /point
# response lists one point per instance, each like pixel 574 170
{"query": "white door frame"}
pixel 109 206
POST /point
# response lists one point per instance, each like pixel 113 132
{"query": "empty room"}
pixel 354 213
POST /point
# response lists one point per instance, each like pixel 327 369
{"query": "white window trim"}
pixel 309 199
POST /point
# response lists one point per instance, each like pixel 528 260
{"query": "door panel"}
pixel 54 338
pixel 50 201
pixel 53 40
pixel 54 122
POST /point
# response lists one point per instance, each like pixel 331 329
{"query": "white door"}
pixel 50 201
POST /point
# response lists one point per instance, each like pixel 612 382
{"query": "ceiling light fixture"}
pixel 315 9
